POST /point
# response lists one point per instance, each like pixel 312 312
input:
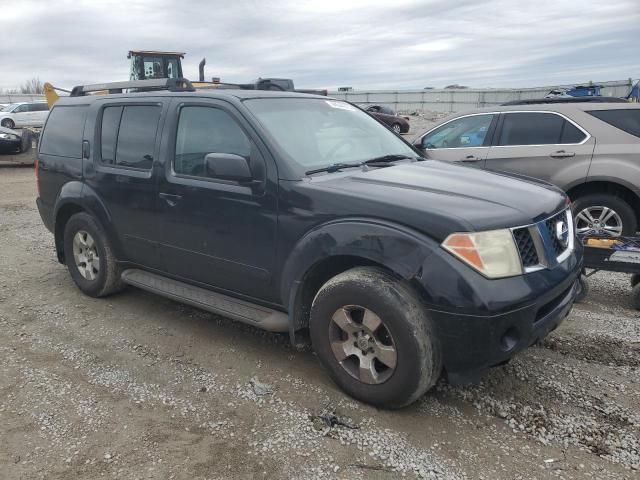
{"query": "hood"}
pixel 12 132
pixel 439 198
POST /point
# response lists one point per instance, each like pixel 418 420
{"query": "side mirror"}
pixel 228 166
pixel 418 144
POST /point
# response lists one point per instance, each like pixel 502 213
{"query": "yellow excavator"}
pixel 153 64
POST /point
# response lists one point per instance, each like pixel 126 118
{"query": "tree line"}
pixel 33 86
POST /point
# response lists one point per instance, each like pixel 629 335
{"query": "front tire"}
pixel 7 123
pixel 605 215
pixel 89 257
pixel 371 332
pixel 396 128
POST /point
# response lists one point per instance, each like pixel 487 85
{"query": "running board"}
pixel 246 312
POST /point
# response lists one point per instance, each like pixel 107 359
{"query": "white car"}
pixel 24 114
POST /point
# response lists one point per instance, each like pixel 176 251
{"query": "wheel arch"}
pixel 606 186
pixel 76 197
pixel 338 246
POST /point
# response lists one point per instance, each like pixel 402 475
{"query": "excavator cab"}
pixel 147 64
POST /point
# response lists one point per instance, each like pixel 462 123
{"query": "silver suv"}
pixel 591 150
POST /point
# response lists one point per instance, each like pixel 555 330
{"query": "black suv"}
pixel 302 214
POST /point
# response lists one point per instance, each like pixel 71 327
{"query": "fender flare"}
pixel 80 195
pixel 398 248
pixel 618 180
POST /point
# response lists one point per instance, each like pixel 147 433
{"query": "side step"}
pixel 246 312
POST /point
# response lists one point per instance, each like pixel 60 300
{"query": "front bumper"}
pixel 499 318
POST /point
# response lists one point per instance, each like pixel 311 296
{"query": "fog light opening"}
pixel 509 339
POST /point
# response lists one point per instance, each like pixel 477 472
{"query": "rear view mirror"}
pixel 228 166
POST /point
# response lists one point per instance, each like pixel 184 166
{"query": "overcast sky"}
pixel 327 43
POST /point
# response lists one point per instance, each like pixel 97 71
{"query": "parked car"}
pixel 387 116
pixel 12 141
pixel 302 214
pixel 24 114
pixel 590 150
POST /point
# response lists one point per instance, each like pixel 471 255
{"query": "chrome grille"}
pixel 550 225
pixel 526 247
pixel 542 244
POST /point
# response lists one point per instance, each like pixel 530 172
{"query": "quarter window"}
pixel 627 120
pixel 463 132
pixel 63 132
pixel 204 130
pixel 537 128
pixel 128 135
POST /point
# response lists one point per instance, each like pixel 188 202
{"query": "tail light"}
pixel 37 164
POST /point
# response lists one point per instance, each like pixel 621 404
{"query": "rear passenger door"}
pixel 40 113
pixel 123 173
pixel 217 232
pixel 545 145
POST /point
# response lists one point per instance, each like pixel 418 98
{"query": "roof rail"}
pixel 537 101
pixel 171 84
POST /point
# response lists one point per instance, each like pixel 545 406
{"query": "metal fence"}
pixel 19 97
pixel 456 100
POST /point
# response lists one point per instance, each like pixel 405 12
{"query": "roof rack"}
pixel 536 101
pixel 171 84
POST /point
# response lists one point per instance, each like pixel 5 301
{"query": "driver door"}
pixel 464 139
pixel 217 232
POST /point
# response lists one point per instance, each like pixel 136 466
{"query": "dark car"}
pixel 301 214
pixel 589 149
pixel 13 141
pixel 387 116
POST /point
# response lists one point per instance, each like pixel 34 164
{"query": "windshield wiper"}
pixel 388 159
pixel 384 159
pixel 333 168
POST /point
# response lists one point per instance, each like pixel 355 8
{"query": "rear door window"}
pixel 537 128
pixel 128 135
pixel 626 120
pixel 63 132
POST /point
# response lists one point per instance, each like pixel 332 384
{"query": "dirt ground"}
pixel 137 386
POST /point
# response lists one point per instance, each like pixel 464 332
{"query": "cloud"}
pixel 360 43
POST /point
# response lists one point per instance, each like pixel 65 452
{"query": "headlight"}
pixel 8 136
pixel 494 254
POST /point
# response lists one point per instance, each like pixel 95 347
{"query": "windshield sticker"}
pixel 342 105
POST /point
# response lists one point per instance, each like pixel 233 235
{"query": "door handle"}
pixel 470 159
pixel 171 199
pixel 562 154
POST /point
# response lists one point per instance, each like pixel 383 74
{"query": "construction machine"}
pixel 154 64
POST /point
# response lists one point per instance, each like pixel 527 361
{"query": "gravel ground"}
pixel 137 386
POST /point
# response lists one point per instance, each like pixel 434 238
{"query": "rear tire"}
pixel 593 206
pixel 396 128
pixel 635 297
pixel 366 294
pixel 7 123
pixel 25 143
pixel 89 257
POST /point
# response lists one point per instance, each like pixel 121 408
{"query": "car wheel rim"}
pixel 396 128
pixel 599 220
pixel 85 254
pixel 362 344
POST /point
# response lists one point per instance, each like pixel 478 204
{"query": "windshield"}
pixel 7 108
pixel 315 133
